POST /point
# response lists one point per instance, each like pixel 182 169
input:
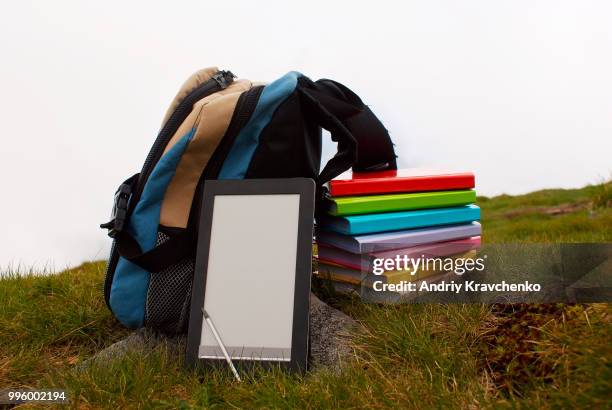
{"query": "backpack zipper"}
pixel 219 81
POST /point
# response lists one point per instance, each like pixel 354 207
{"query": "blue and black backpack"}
pixel 218 127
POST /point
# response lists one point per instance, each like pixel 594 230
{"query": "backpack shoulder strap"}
pixel 375 149
pixel 346 154
pixel 363 142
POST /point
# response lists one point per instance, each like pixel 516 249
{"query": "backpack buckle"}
pixel 120 208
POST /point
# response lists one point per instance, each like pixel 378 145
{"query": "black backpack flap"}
pixel 375 149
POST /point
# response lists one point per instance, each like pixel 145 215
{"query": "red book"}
pixel 401 180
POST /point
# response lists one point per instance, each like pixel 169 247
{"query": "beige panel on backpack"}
pixel 210 117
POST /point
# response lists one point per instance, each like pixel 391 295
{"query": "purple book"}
pixel 397 239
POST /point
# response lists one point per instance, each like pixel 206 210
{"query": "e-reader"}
pixel 253 273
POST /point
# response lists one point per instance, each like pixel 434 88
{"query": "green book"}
pixel 353 205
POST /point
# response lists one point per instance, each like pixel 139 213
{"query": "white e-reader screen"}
pixel 253 244
pixel 254 236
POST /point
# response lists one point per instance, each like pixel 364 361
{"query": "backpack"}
pixel 219 127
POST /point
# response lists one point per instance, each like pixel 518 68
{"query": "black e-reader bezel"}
pixel 305 188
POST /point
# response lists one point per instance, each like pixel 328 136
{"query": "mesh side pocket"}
pixel 169 295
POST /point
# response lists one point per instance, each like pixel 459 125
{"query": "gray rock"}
pixel 330 339
pixel 330 335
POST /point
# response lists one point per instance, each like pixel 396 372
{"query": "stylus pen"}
pixel 221 345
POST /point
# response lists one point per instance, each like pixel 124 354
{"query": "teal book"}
pixel 396 221
pixel 354 205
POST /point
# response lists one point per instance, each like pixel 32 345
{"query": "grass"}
pixel 552 215
pixel 409 356
pixel 51 321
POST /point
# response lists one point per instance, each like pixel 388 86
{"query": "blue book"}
pixel 396 221
pixel 397 239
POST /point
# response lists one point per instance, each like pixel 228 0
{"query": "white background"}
pixel 519 92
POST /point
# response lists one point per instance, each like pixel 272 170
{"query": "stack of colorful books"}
pixel 389 214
